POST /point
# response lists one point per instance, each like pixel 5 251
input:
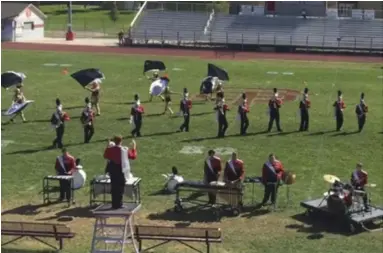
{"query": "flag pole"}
pixel 70 34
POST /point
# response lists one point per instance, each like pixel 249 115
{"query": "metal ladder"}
pixel 112 237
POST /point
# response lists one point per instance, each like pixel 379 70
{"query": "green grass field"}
pixel 25 160
pixel 86 22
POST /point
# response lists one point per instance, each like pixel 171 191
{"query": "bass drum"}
pixel 79 178
pixel 335 204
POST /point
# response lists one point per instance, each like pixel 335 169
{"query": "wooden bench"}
pixel 35 231
pixel 179 234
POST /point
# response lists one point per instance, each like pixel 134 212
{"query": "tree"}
pixel 114 12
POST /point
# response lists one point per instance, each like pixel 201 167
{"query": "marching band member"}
pixel 136 116
pixel 339 107
pixel 274 104
pixel 234 170
pixel 87 119
pixel 304 106
pixel 65 165
pixel 361 112
pixel 272 172
pixel 359 179
pixel 154 78
pixel 118 157
pixel 221 108
pixel 58 122
pixel 95 89
pixel 243 110
pixel 18 98
pixel 185 106
pixel 212 171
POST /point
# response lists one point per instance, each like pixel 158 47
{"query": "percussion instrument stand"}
pixel 114 237
pixel 288 197
pixel 47 188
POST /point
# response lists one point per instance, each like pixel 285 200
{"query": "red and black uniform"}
pixel 117 177
pixel 136 118
pixel 243 110
pixel 359 179
pixel 185 106
pixel 221 109
pixel 304 106
pixel 234 170
pixel 361 113
pixel 212 171
pixel 58 122
pixel 274 104
pixel 271 175
pixel 87 119
pixel 65 165
pixel 339 106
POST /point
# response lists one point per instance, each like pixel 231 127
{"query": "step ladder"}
pixel 113 233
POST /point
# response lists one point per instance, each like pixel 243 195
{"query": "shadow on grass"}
pixel 344 133
pixel 201 114
pixel 30 151
pixel 282 133
pixel 80 212
pixel 227 136
pixel 194 214
pixel 25 210
pixel 253 211
pixel 5 250
pixel 321 133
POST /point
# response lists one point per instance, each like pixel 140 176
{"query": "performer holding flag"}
pixel 119 168
pixel 221 108
pixel 58 122
pixel 304 106
pixel 185 106
pixel 274 104
pixel 243 110
pixel 361 113
pixel 339 107
pixel 136 116
pixel 87 119
pixel 95 89
pixel 212 171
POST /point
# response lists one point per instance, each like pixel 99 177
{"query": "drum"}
pixel 79 178
pixel 336 204
pixel 288 178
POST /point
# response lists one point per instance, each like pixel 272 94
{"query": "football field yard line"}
pixel 320 149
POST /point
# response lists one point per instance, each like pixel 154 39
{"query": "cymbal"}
pixel 371 185
pixel 330 178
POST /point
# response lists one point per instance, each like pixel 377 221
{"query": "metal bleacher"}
pixel 292 31
pixel 158 25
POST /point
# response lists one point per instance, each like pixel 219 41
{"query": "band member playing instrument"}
pixel 65 165
pixel 234 172
pixel 221 108
pixel 58 122
pixel 95 89
pixel 18 98
pixel 272 172
pixel 359 179
pixel 304 106
pixel 339 107
pixel 185 106
pixel 361 112
pixel 243 110
pixel 212 171
pixel 274 104
pixel 87 119
pixel 136 116
pixel 118 157
pixel 153 78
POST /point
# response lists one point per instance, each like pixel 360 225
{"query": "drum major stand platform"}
pixel 114 237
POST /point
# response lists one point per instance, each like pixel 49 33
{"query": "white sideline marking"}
pixel 288 73
pixel 191 150
pixel 272 72
pixel 5 143
pixel 224 150
pixel 50 64
pixel 380 77
pixel 177 69
pixel 65 65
